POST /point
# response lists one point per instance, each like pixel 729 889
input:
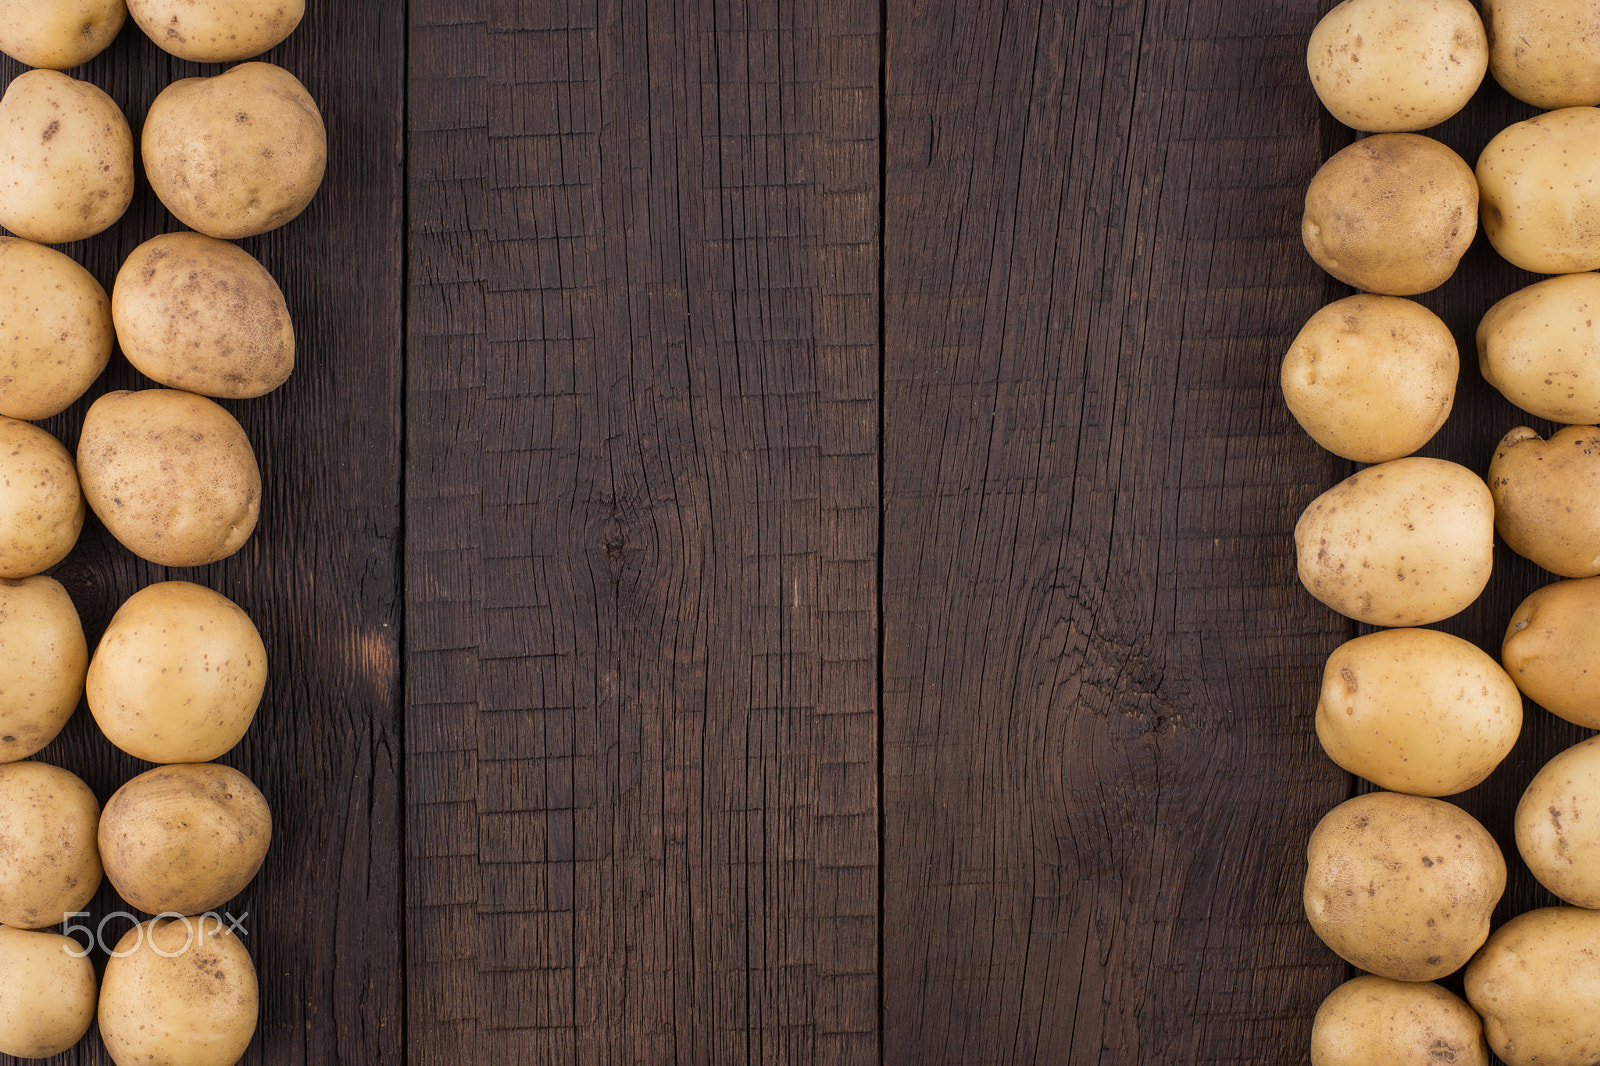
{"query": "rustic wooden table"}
pixel 777 549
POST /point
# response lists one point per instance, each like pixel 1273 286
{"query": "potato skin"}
pixel 47 993
pixel 1547 498
pixel 215 32
pixel 41 502
pixel 57 321
pixel 47 833
pixel 60 34
pixel 1536 983
pixel 1543 52
pixel 1552 650
pixel 43 661
pixel 1539 182
pixel 1373 1021
pixel 1540 347
pixel 1557 831
pixel 66 158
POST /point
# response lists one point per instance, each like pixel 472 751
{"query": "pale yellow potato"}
pixel 184 838
pixel 47 835
pixel 1417 711
pixel 1539 182
pixel 199 314
pixel 1373 1021
pixel 47 993
pixel 1404 543
pixel 1392 213
pixel 1547 498
pixel 171 475
pixel 1558 825
pixel 1402 886
pixel 56 321
pixel 178 675
pixel 59 33
pixel 1397 65
pixel 236 154
pixel 41 504
pixel 1540 347
pixel 217 31
pixel 1552 650
pixel 1536 984
pixel 66 158
pixel 43 659
pixel 179 992
pixel 1545 52
pixel 1371 378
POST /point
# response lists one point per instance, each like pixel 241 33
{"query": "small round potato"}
pixel 1543 52
pixel 171 475
pixel 1402 886
pixel 200 314
pixel 1558 825
pixel 185 838
pixel 1540 185
pixel 1540 347
pixel 47 993
pixel 1397 65
pixel 66 158
pixel 47 835
pixel 59 34
pixel 181 992
pixel 217 31
pixel 1372 378
pixel 41 504
pixel 1392 213
pixel 1373 1021
pixel 236 154
pixel 57 323
pixel 1547 498
pixel 1403 543
pixel 178 675
pixel 1552 650
pixel 43 659
pixel 1536 983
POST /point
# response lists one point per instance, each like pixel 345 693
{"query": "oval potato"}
pixel 1552 650
pixel 43 661
pixel 47 834
pixel 59 34
pixel 1536 983
pixel 41 502
pixel 1540 347
pixel 1558 825
pixel 1543 51
pixel 1539 184
pixel 47 993
pixel 57 321
pixel 66 158
pixel 1373 1021
pixel 217 32
pixel 1547 498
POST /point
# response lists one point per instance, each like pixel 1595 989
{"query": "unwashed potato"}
pixel 1558 825
pixel 217 31
pixel 200 314
pixel 61 33
pixel 1373 1021
pixel 1545 52
pixel 179 992
pixel 47 835
pixel 1536 984
pixel 1552 650
pixel 1392 213
pixel 171 475
pixel 1371 378
pixel 236 154
pixel 1395 65
pixel 56 321
pixel 47 993
pixel 66 158
pixel 1547 498
pixel 1403 543
pixel 41 504
pixel 1540 185
pixel 1402 886
pixel 43 659
pixel 1540 347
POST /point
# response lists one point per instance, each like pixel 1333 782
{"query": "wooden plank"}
pixel 641 531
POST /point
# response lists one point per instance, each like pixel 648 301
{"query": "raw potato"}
pixel 1536 983
pixel 56 320
pixel 1558 825
pixel 41 504
pixel 1552 650
pixel 1540 185
pixel 1540 347
pixel 59 34
pixel 1392 213
pixel 66 158
pixel 1402 886
pixel 1371 378
pixel 1544 52
pixel 43 659
pixel 1373 1021
pixel 171 475
pixel 1395 65
pixel 178 675
pixel 1403 543
pixel 47 993
pixel 47 834
pixel 217 31
pixel 184 838
pixel 179 992
pixel 1417 711
pixel 236 154
pixel 1547 498
pixel 200 314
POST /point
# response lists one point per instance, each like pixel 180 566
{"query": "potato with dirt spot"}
pixel 1552 649
pixel 66 158
pixel 1547 498
pixel 1536 984
pixel 57 323
pixel 51 866
pixel 1558 825
pixel 1373 1021
pixel 59 34
pixel 41 502
pixel 1539 182
pixel 47 993
pixel 217 31
pixel 1540 347
pixel 1545 52
pixel 43 661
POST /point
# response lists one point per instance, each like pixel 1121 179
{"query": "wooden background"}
pixel 778 546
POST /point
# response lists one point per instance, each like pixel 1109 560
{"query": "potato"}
pixel 171 475
pixel 200 314
pixel 1540 186
pixel 57 323
pixel 47 834
pixel 214 31
pixel 47 993
pixel 236 154
pixel 1417 711
pixel 61 33
pixel 66 158
pixel 184 838
pixel 1543 51
pixel 1373 1021
pixel 179 992
pixel 41 503
pixel 1540 347
pixel 1403 543
pixel 1402 886
pixel 1536 983
pixel 178 675
pixel 1558 825
pixel 1395 65
pixel 1371 378
pixel 1552 650
pixel 1547 498
pixel 43 659
pixel 1392 213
